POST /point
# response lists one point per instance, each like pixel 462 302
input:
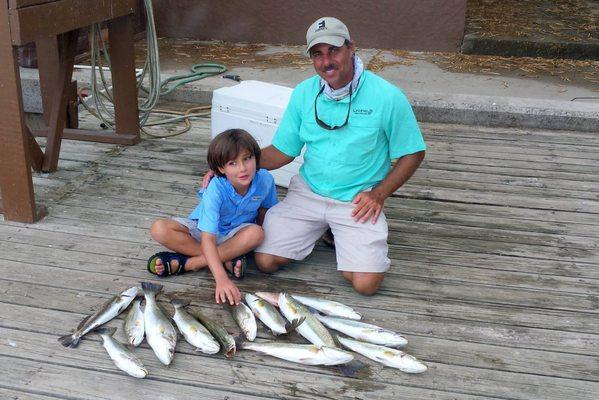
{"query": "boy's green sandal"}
pixel 244 263
pixel 167 258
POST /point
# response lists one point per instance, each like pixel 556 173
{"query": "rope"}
pixel 101 92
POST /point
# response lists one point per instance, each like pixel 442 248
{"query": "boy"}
pixel 226 223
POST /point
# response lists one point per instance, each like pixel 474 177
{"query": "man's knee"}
pixel 269 262
pixel 367 283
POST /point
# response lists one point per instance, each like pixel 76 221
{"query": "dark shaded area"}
pixel 534 28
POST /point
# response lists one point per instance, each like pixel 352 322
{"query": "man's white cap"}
pixel 326 30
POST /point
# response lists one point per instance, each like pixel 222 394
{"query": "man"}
pixel 352 124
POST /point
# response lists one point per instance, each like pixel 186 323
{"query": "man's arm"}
pixel 370 204
pixel 271 158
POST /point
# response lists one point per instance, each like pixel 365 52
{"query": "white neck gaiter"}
pixel 341 93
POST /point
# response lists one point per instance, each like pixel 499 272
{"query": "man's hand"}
pixel 226 290
pixel 206 179
pixel 368 205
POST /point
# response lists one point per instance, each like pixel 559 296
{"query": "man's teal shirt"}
pixel 341 163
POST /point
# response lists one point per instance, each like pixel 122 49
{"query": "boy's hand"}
pixel 206 179
pixel 226 290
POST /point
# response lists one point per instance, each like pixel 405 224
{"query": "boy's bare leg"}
pixel 247 239
pixel 175 237
pixel 366 283
pixel 269 262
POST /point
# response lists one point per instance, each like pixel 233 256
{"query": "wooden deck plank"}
pixel 438 287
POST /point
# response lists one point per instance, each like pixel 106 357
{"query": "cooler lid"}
pixel 254 97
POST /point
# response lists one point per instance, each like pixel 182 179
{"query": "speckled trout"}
pixel 192 330
pixel 312 329
pixel 134 324
pixel 308 354
pixel 245 319
pixel 385 355
pixel 362 331
pixel 122 357
pixel 328 307
pixel 227 342
pixel 108 311
pixel 160 333
pixel 269 315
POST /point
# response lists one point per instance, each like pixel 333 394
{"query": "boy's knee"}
pixel 253 235
pixel 368 284
pixel 268 262
pixel 159 230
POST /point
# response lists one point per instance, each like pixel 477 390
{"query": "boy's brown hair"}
pixel 227 145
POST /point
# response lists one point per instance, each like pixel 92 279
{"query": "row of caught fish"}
pixel 372 341
pixel 209 336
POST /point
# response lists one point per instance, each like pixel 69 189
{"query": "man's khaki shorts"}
pixel 293 226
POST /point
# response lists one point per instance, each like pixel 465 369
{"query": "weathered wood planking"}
pixel 494 278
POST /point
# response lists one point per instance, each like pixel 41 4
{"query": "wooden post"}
pixel 67 47
pixel 16 183
pixel 124 84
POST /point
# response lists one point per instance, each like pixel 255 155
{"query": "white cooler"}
pixel 258 108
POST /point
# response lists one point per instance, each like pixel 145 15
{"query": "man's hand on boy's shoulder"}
pixel 227 292
pixel 206 178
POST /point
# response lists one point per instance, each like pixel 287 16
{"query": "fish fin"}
pixel 69 341
pixel 354 369
pixel 180 302
pixel 293 325
pixel 149 287
pixel 104 330
pixel 83 321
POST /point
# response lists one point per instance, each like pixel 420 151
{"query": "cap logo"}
pixel 321 26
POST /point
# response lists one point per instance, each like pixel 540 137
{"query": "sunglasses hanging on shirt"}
pixel 323 124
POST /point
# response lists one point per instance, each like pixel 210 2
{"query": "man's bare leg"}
pixel 269 262
pixel 366 283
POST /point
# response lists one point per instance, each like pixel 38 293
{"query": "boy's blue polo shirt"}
pixel 222 209
pixel 340 164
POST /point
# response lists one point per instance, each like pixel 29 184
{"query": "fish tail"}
pixel 105 331
pixel 151 288
pixel 353 369
pixel 69 341
pixel 293 325
pixel 178 303
pixel 239 342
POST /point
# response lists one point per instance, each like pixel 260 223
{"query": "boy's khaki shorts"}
pixel 293 226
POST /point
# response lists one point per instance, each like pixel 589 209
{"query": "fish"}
pixel 134 324
pixel 311 328
pixel 308 354
pixel 161 335
pixel 227 342
pixel 271 297
pixel 194 332
pixel 362 331
pixel 246 320
pixel 385 355
pixel 107 312
pixel 328 307
pixel 121 356
pixel 269 315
